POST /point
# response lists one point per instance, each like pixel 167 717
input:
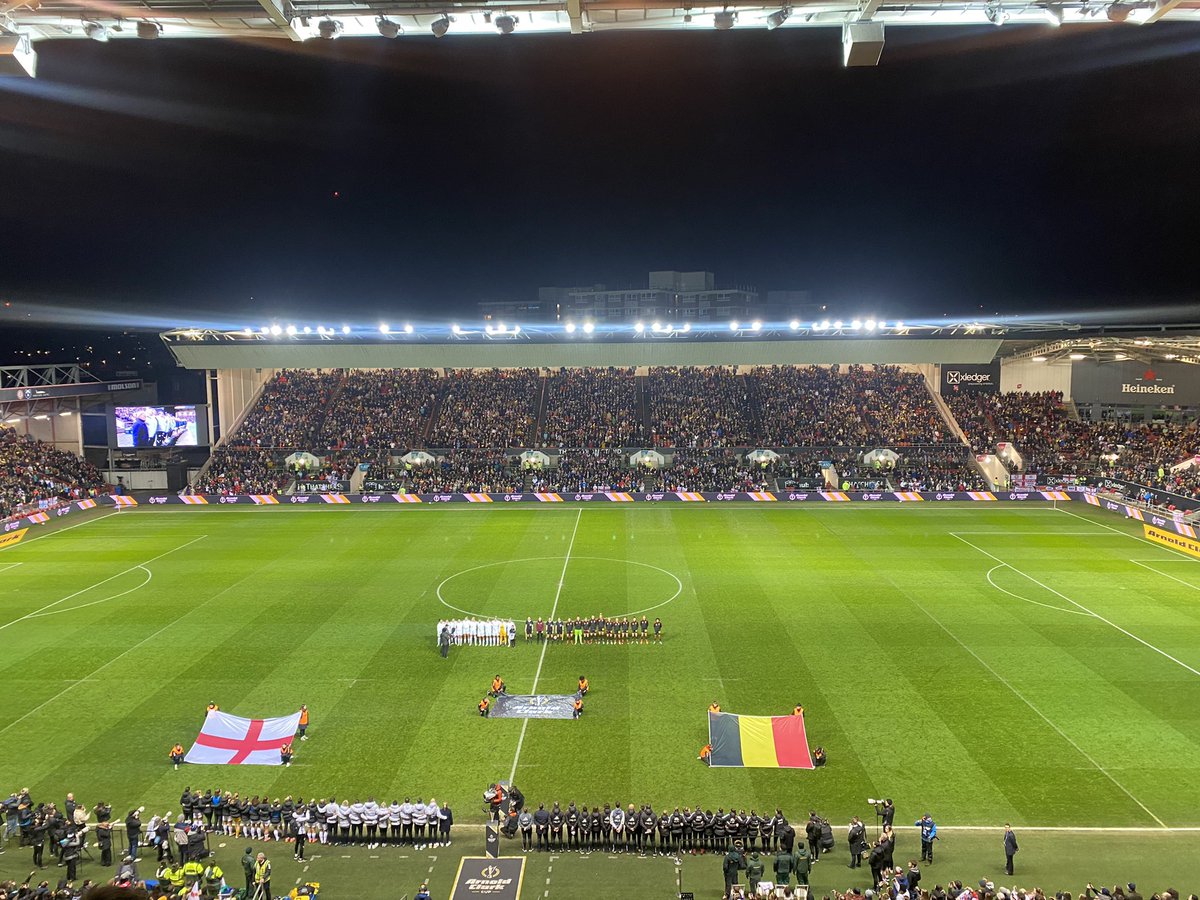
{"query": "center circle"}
pixel 566 568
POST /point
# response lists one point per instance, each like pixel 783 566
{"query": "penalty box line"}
pixel 1075 603
pixel 541 659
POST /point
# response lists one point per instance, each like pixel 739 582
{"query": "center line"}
pixel 541 659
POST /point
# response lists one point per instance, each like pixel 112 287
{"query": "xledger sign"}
pixel 975 379
pixel 489 878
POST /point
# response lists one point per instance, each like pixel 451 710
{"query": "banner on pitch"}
pixel 227 740
pixel 763 742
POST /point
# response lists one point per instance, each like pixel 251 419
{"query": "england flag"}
pixel 227 740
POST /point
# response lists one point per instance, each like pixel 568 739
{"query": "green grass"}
pixel 980 701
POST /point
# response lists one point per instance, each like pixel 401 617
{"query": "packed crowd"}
pixel 380 408
pixel 244 471
pixel 467 471
pixel 487 408
pixel 715 470
pixel 857 406
pixel 594 408
pixel 31 471
pixel 588 470
pixel 288 411
pixel 945 468
pixel 699 407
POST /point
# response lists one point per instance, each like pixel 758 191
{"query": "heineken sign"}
pixel 1132 383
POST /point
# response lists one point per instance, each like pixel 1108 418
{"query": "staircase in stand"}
pixel 643 410
pixel 535 439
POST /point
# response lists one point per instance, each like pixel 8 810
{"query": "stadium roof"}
pixel 303 19
pixel 735 343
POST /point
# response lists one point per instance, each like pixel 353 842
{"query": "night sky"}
pixel 999 170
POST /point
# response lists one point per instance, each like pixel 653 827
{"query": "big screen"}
pixel 146 427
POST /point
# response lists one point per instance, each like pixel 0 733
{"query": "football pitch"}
pixel 987 663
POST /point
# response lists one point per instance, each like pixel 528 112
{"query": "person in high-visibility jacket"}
pixel 176 754
pixel 706 754
pixel 714 707
pixel 497 686
pixel 262 877
pixel 583 685
pixel 193 871
pixel 214 880
pixel 285 754
pixel 798 711
pixel 483 706
pixel 212 707
pixel 303 726
pixel 578 708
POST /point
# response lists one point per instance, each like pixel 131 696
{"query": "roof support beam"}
pixel 575 13
pixel 867 10
pixel 277 12
pixel 1161 8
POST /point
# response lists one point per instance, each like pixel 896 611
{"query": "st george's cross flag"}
pixel 227 740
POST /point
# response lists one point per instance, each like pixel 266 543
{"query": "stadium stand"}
pixel 244 471
pixel 32 471
pixel 707 407
pixel 486 408
pixel 290 411
pixel 380 408
pixel 595 408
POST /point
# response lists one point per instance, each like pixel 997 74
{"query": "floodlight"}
pixel 264 330
pixel 440 26
pixel 345 329
pixel 588 327
pixel 687 326
pixel 65 413
pixel 570 327
pixel 733 326
pixel 516 329
pixel 996 13
pixel 384 329
pixel 870 324
pixel 247 331
pixel 1168 356
pixel 756 325
pixel 1121 356
pixel 308 329
pixel 657 326
pixel 1078 356
pixel 455 328
pixel 388 28
pixel 824 324
pixel 639 327
pixel 668 328
pixel 487 329
pixel 1039 359
pixel 328 29
pixel 837 323
pixel 899 326
pixel 795 325
pixel 724 20
pixel 777 18
pixel 856 324
pixel 408 329
pixel 148 31
pixel 276 330
pixel 96 32
pixel 505 24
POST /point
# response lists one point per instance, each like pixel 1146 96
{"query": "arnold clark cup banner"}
pixel 481 877
pixel 958 378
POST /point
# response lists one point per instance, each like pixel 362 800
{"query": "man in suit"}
pixel 1010 848
pixel 856 837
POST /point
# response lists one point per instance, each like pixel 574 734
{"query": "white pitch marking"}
pixel 8 566
pixel 1004 681
pixel 1136 537
pixel 68 528
pixel 1073 612
pixel 1108 622
pixel 98 583
pixel 55 612
pixel 541 659
pixel 1136 562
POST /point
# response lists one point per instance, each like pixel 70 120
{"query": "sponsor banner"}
pixel 958 378
pixel 123 500
pixel 614 497
pixel 1135 384
pixel 37 518
pixel 12 538
pixel 50 391
pixel 86 504
pixel 1129 489
pixel 484 877
pixel 1180 542
pixel 1132 512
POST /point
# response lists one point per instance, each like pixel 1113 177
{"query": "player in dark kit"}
pixel 658 631
pixel 645 629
